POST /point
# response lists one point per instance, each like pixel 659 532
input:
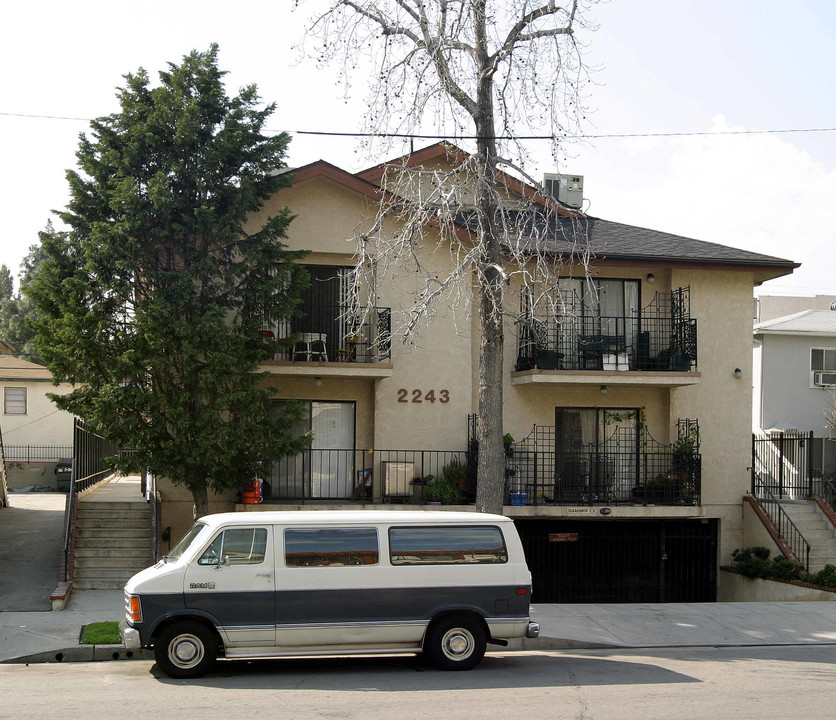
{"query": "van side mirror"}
pixel 222 561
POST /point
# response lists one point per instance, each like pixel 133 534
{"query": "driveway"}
pixel 31 546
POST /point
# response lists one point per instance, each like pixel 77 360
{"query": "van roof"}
pixel 350 517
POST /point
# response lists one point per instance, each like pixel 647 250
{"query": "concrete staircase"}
pixel 112 536
pixel 816 529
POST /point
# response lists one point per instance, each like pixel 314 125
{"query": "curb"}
pixel 81 653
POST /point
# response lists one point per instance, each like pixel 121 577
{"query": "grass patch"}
pixel 101 633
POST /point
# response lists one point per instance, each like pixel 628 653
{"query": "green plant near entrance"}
pixel 754 562
pixel 101 633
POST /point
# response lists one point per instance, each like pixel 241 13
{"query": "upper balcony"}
pixel 335 341
pixel 656 345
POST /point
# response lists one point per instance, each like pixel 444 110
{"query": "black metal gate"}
pixel 576 561
pixel 783 463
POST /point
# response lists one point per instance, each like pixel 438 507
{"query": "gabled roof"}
pixel 12 368
pixel 806 322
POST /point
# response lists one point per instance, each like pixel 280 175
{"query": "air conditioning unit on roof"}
pixel 567 189
pixel 824 379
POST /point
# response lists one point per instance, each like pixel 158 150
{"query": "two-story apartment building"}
pixel 627 403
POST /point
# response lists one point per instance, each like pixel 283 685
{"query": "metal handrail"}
pixel 787 530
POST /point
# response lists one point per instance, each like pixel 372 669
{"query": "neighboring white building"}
pixel 795 377
pixel 31 423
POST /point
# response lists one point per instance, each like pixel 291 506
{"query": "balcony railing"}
pixel 334 333
pixel 367 475
pixel 593 476
pixel 589 477
pixel 660 337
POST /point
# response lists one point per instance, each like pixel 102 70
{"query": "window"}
pixel 245 546
pixel 324 547
pixel 14 401
pixel 460 545
pixel 822 366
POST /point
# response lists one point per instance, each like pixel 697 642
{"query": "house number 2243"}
pixel 443 396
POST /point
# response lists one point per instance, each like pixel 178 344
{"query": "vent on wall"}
pixel 567 189
pixel 824 379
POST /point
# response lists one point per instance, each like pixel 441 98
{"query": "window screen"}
pixel 323 547
pixel 14 401
pixel 446 545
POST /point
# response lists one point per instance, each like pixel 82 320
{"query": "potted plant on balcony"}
pixel 656 489
pixel 683 461
pixel 446 488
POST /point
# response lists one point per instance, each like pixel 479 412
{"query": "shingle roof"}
pixel 12 368
pixel 617 241
pixel 806 322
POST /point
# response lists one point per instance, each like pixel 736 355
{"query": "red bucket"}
pixel 252 493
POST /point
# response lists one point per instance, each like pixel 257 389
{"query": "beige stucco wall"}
pixel 444 357
pixel 177 510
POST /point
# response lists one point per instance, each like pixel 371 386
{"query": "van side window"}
pixel 244 546
pixel 323 547
pixel 449 545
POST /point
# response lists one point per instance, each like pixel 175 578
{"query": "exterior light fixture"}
pixel 738 373
pixel 318 382
pixel 603 389
pixel 651 278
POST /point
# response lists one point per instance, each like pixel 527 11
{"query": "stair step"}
pixel 112 504
pixel 112 584
pixel 111 532
pixel 132 551
pixel 123 564
pixel 96 515
pixel 112 542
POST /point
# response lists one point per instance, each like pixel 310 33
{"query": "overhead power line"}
pixel 568 136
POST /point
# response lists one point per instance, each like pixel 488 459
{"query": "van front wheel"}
pixel 456 643
pixel 185 650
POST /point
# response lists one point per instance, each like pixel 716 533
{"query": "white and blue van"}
pixel 302 583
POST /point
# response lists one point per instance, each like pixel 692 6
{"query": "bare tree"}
pixel 483 69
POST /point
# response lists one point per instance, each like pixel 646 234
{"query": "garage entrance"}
pixel 575 561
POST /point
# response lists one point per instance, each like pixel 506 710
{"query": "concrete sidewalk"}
pixel 54 636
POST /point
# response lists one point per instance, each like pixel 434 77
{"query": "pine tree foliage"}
pixel 17 309
pixel 152 302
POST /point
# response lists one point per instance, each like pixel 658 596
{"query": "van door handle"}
pixel 264 575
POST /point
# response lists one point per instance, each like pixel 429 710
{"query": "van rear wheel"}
pixel 185 650
pixel 456 643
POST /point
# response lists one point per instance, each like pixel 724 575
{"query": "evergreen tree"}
pixel 17 310
pixel 152 302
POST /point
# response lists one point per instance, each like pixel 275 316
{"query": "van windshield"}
pixel 177 551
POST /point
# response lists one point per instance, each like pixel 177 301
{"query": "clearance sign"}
pixel 563 537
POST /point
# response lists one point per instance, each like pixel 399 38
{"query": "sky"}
pixel 694 83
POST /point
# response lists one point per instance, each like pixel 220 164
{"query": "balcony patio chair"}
pixel 311 346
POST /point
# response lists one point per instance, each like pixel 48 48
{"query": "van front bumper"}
pixel 130 636
pixel 533 630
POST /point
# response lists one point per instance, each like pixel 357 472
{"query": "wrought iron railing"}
pixel 337 333
pixel 38 453
pixel 369 475
pixel 662 336
pixel 91 453
pixel 786 528
pixel 626 468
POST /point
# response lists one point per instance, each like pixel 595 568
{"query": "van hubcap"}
pixel 185 651
pixel 457 643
